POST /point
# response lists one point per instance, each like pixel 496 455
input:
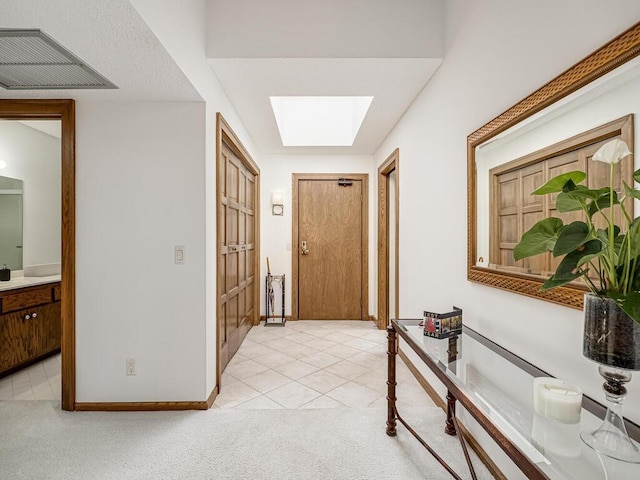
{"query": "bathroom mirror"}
pixel 30 154
pixel 590 103
pixel 11 223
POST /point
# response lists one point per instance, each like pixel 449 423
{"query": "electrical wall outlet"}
pixel 131 367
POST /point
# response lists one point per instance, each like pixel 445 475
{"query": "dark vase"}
pixel 611 337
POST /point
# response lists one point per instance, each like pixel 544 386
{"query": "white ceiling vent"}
pixel 31 60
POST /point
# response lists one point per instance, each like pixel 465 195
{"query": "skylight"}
pixel 319 121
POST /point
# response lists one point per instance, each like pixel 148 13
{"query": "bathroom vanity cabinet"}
pixel 30 325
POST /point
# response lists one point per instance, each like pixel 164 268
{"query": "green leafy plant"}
pixel 613 253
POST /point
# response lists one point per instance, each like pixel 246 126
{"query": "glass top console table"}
pixel 496 388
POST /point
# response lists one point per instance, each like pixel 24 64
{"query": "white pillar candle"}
pixel 557 400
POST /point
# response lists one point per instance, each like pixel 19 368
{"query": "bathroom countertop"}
pixel 22 282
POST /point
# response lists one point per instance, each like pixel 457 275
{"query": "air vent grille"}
pixel 30 59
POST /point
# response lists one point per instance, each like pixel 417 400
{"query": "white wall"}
pixel 181 28
pixel 499 51
pixel 140 192
pixel 276 231
pixel 34 157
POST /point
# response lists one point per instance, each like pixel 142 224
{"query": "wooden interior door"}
pixel 236 276
pixel 330 242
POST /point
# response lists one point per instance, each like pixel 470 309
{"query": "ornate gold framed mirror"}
pixel 591 102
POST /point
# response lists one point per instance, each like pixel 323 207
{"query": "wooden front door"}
pixel 236 265
pixel 330 245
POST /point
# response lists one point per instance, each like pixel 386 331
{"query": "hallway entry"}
pixel 62 110
pixel 330 238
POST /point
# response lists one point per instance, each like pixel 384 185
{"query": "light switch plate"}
pixel 180 255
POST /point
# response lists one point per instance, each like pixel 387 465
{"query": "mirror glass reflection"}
pixel 11 223
pixel 30 225
pixel 539 148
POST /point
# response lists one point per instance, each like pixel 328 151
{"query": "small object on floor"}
pixel 270 300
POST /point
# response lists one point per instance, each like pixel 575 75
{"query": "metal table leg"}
pixel 392 351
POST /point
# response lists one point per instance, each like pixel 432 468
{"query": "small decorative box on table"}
pixel 443 325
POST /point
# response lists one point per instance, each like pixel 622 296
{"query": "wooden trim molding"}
pixel 473 443
pixel 364 178
pixel 140 406
pixel 224 133
pixel 391 164
pixel 212 396
pixel 148 406
pixel 621 49
pixel 63 110
pixel 233 142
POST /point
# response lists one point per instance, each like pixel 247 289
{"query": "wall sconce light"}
pixel 3 164
pixel 277 203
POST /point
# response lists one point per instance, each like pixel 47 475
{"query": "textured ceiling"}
pixel 112 38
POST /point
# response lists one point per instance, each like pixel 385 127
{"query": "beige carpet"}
pixel 38 441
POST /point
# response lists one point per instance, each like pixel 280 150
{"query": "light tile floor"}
pixel 40 381
pixel 315 364
pixel 305 364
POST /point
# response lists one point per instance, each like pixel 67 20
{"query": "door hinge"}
pixel 345 182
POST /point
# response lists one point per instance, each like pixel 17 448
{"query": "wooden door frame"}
pixel 364 178
pixel 63 110
pixel 391 164
pixel 225 133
